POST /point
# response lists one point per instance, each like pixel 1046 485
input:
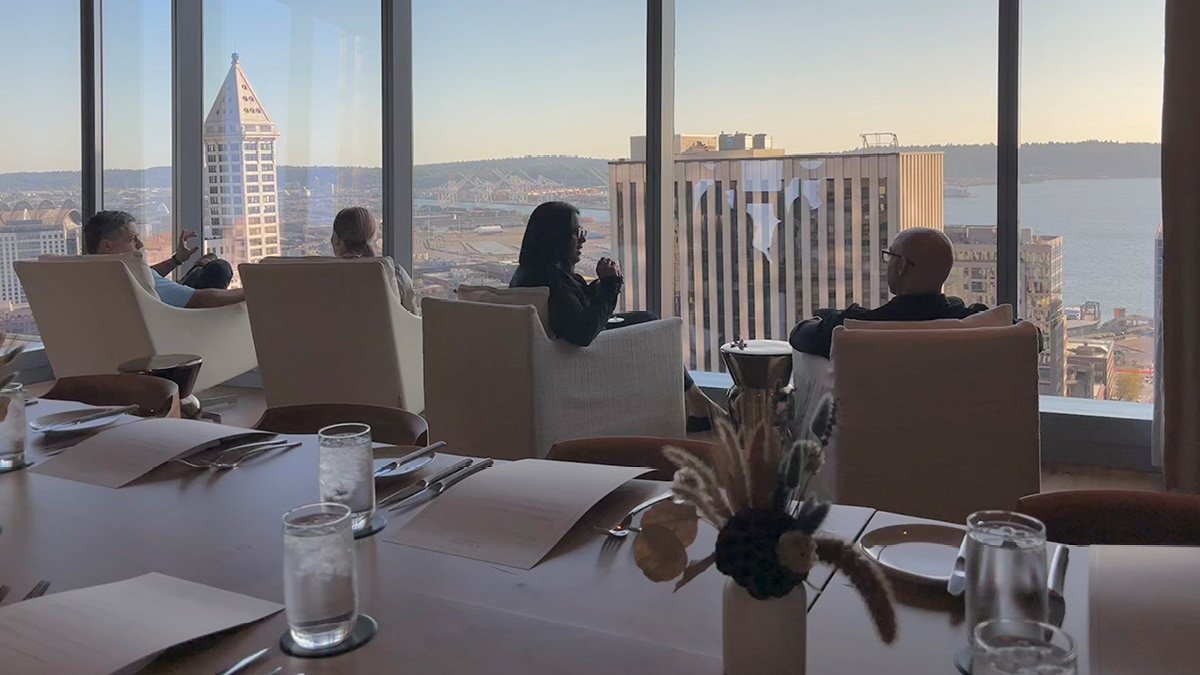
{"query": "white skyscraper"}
pixel 242 222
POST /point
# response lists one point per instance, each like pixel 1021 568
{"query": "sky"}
pixel 496 79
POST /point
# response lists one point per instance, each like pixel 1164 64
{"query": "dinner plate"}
pixel 918 552
pixel 386 454
pixel 60 423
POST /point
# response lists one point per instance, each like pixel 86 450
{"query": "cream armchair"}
pixel 93 315
pixel 497 386
pixel 333 331
pixel 937 423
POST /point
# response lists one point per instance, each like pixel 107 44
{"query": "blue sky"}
pixel 494 79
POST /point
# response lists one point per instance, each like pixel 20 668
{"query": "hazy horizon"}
pixel 812 75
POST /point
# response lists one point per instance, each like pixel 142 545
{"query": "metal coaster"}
pixel 17 467
pixel 377 523
pixel 364 629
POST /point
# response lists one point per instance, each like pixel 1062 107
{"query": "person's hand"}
pixel 182 250
pixel 607 267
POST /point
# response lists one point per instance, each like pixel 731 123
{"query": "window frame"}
pixel 1127 423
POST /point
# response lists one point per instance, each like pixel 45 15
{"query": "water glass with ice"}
pixel 1021 647
pixel 1005 567
pixel 12 426
pixel 320 588
pixel 345 468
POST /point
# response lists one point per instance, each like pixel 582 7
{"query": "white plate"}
pixel 60 423
pixel 918 552
pixel 386 454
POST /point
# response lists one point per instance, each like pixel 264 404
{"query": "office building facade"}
pixel 1041 301
pixel 28 232
pixel 762 242
pixel 240 140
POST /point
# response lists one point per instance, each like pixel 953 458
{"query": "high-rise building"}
pixel 27 232
pixel 242 222
pixel 762 239
pixel 973 279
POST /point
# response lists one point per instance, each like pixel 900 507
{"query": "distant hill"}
pixel 965 163
pixel 1050 161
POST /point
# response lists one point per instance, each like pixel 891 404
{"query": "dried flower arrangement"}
pixel 754 492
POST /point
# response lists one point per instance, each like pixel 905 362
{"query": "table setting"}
pixel 332 553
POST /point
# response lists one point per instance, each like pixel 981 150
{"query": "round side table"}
pixel 182 369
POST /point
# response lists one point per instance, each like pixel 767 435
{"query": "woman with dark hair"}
pixel 354 228
pixel 579 310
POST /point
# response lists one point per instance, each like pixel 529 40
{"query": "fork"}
pixel 39 589
pixel 623 529
pixel 254 453
pixel 249 448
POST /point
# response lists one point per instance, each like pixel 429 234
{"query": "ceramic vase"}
pixel 764 637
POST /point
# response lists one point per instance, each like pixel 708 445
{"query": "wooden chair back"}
pixel 154 396
pixel 1117 517
pixel 388 425
pixel 628 451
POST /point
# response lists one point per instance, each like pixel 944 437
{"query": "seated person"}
pixel 579 310
pixel 918 262
pixel 205 284
pixel 354 229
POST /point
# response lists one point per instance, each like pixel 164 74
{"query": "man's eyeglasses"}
pixel 886 256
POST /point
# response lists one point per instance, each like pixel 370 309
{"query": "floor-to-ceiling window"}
pixel 1091 113
pixel 807 135
pixel 293 124
pixel 515 104
pixel 40 192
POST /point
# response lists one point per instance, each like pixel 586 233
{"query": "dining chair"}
pixel 94 312
pixel 936 423
pixel 388 425
pixel 496 385
pixel 154 396
pixel 629 451
pixel 333 330
pixel 1117 517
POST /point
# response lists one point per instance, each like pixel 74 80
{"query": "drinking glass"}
pixel 320 589
pixel 1021 647
pixel 1005 567
pixel 12 426
pixel 346 470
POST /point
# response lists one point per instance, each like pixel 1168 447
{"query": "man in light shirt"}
pixel 205 285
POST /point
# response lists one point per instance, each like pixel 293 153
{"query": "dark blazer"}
pixel 578 310
pixel 815 335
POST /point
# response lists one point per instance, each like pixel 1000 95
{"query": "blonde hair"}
pixel 356 227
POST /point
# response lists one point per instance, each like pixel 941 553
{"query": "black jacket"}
pixel 815 335
pixel 578 310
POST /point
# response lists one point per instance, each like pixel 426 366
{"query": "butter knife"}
pixel 1057 582
pixel 958 575
pixel 396 498
pixel 437 487
pixel 245 663
pixel 430 449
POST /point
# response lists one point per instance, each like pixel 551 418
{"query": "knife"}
pixel 430 449
pixel 245 663
pixel 437 487
pixel 396 498
pixel 1056 583
pixel 958 576
pixel 89 417
pixel 442 485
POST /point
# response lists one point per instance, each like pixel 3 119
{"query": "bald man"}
pixel 919 261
